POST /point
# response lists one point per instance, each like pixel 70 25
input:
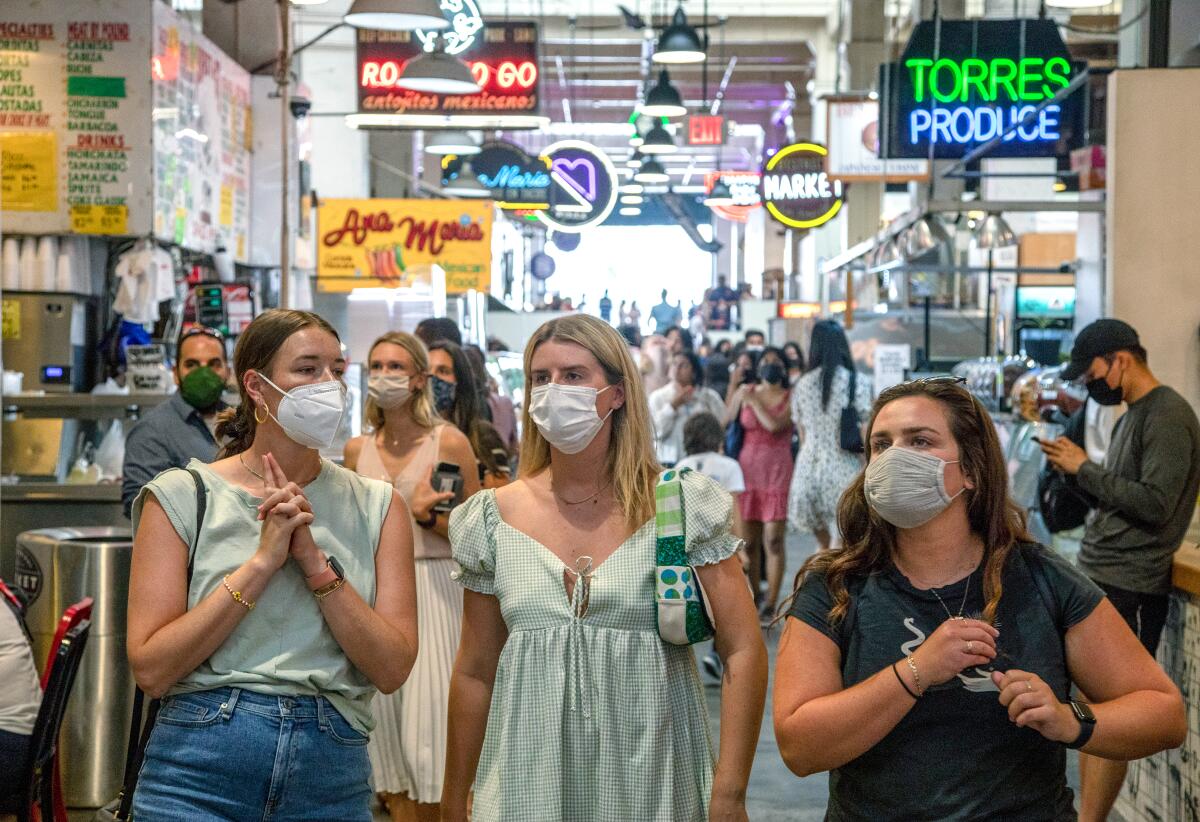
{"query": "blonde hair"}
pixel 419 404
pixel 631 464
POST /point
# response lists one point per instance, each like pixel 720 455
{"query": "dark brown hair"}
pixel 869 541
pixel 256 349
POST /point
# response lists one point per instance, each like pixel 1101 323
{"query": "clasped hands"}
pixel 960 643
pixel 286 515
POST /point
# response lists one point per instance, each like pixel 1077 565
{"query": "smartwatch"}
pixel 1087 723
pixel 328 579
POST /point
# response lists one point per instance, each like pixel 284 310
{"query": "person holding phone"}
pixel 928 663
pixel 566 704
pixel 411 448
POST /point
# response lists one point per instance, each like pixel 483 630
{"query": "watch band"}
pixel 1087 724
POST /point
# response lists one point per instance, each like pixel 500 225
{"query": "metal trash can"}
pixel 57 567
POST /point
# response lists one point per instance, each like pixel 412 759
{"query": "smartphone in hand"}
pixel 447 477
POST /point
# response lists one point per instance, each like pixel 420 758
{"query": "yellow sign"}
pixel 29 171
pixel 100 219
pixel 10 320
pixel 226 218
pixel 374 243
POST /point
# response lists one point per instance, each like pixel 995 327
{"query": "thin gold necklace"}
pixel 242 460
pixel 593 495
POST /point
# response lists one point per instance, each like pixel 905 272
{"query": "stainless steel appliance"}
pixel 50 338
pixel 56 567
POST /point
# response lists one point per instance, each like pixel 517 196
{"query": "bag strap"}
pixel 139 730
pixel 853 387
pixel 668 518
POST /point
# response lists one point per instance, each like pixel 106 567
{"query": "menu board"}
pixel 202 134
pixel 92 99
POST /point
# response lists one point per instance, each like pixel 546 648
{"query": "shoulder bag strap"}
pixel 853 388
pixel 139 730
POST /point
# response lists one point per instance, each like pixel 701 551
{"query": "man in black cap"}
pixel 1146 492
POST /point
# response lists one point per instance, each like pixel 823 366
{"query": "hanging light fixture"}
pixel 925 235
pixel 719 196
pixel 630 211
pixel 679 42
pixel 396 15
pixel 994 232
pixel 652 172
pixel 659 141
pixel 632 188
pixel 451 141
pixel 632 199
pixel 465 184
pixel 635 161
pixel 435 72
pixel 663 100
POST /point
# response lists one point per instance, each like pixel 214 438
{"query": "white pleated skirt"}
pixel 408 746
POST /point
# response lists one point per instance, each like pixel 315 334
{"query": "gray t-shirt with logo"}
pixel 956 755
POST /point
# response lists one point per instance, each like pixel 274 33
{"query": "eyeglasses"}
pixel 201 331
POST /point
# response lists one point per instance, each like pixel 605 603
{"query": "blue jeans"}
pixel 231 754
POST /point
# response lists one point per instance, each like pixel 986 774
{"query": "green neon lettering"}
pixel 1057 70
pixel 917 67
pixel 1030 75
pixel 939 69
pixel 1004 71
pixel 974 73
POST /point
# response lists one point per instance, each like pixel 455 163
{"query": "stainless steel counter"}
pixel 29 505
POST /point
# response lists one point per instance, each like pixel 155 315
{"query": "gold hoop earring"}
pixel 264 419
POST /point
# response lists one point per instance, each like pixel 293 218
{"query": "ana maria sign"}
pixel 960 83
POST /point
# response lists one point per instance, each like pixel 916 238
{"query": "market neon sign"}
pixel 796 190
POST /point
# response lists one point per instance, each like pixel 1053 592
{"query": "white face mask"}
pixel 566 415
pixel 388 390
pixel 907 488
pixel 311 414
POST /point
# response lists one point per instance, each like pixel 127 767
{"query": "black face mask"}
pixel 1104 394
pixel 773 373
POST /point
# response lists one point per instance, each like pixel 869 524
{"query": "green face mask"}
pixel 201 388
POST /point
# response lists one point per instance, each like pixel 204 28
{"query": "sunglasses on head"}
pixel 202 331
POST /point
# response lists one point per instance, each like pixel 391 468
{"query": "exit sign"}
pixel 705 130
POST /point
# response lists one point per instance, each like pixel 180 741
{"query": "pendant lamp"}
pixel 450 141
pixel 396 15
pixel 635 161
pixel 465 184
pixel 925 235
pixel 652 172
pixel 679 42
pixel 659 141
pixel 663 100
pixel 435 72
pixel 994 232
pixel 719 196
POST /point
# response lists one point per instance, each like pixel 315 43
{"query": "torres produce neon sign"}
pixel 960 83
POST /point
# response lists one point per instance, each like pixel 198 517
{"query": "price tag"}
pixel 100 219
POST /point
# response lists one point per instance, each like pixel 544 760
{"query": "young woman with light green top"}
pixel 565 704
pixel 300 607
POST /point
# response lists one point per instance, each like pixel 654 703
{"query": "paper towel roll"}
pixel 10 258
pixel 28 264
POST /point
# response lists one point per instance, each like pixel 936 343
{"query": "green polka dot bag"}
pixel 683 615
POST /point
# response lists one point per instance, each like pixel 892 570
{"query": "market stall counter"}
pixel 1167 785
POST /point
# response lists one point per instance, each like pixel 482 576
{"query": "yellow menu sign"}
pixel 29 171
pixel 375 243
pixel 100 219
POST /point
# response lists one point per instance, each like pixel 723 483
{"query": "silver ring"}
pixel 1028 686
pixel 970 646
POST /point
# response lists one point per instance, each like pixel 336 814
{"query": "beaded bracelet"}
pixel 237 596
pixel 912 666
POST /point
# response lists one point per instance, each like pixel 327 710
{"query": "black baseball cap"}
pixel 1099 339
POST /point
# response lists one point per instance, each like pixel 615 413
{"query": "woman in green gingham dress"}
pixel 565 704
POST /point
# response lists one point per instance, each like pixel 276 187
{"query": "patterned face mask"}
pixel 444 393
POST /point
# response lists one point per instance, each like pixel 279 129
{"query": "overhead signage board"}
pixel 503 58
pixel 960 83
pixel 377 243
pixel 705 130
pixel 583 187
pixel 852 135
pixel 743 187
pixel 796 189
pixel 517 181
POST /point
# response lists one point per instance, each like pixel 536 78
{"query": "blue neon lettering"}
pixel 511 176
pixel 964 124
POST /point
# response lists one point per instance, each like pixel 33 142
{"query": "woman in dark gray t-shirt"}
pixel 928 664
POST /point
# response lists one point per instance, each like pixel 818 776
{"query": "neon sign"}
pixel 961 83
pixel 513 177
pixel 584 188
pixel 796 190
pixel 743 187
pixel 506 76
pixel 518 181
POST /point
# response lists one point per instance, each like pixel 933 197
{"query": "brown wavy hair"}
pixel 869 541
pixel 256 348
pixel 631 464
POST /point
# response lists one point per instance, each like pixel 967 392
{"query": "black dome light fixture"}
pixel 679 42
pixel 652 173
pixel 719 196
pixel 663 100
pixel 659 141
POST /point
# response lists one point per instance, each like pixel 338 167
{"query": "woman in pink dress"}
pixel 766 460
